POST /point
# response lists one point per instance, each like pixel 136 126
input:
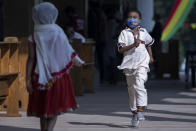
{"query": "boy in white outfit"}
pixel 135 44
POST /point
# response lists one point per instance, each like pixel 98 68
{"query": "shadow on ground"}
pixel 101 124
pixel 108 101
pixel 9 128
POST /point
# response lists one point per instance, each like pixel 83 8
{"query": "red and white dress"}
pixel 52 86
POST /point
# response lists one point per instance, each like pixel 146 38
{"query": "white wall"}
pixel 146 7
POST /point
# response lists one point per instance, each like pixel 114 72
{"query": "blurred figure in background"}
pixel 110 51
pixel 156 48
pixel 98 31
pixel 69 17
pixel 101 39
pixel 74 20
pixel 74 35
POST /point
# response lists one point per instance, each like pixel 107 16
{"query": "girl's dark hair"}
pixel 135 10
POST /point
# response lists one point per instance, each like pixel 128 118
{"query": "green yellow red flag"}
pixel 176 18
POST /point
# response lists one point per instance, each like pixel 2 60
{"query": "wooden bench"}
pixel 87 71
pixel 23 55
pixel 83 76
pixel 9 72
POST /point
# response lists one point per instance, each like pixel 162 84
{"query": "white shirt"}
pixel 137 56
pixel 78 36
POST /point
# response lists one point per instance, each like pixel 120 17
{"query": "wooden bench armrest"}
pixel 7 43
pixel 8 75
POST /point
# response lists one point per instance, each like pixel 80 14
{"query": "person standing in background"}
pixel 156 48
pixel 74 20
pixel 74 35
pixel 110 50
pixel 101 36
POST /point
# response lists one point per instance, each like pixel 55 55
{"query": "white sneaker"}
pixel 140 116
pixel 135 121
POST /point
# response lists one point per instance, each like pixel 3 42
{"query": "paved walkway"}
pixel 171 108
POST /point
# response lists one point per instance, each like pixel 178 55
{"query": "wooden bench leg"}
pixel 88 79
pixel 193 76
pixel 76 76
pixel 186 69
pixel 12 101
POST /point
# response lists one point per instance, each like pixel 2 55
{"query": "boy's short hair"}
pixel 135 10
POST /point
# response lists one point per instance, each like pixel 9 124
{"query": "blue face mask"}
pixel 132 23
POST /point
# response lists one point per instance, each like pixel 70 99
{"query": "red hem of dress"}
pixel 56 74
pixel 34 114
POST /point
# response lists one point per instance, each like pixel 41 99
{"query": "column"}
pixel 146 7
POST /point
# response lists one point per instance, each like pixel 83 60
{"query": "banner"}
pixel 176 18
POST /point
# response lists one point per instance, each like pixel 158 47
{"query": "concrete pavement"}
pixel 171 108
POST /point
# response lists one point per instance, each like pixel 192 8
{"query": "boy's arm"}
pixel 149 42
pixel 126 48
pixel 150 53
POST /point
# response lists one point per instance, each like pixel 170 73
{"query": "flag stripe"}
pixel 176 18
pixel 182 19
pixel 172 13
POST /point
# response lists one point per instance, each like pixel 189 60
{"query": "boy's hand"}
pixel 151 60
pixel 137 42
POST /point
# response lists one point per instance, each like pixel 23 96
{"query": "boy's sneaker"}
pixel 140 116
pixel 135 121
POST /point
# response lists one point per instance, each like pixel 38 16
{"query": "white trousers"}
pixel 136 88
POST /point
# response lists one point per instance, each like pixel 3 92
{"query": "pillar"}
pixel 146 7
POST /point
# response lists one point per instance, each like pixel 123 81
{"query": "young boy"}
pixel 135 44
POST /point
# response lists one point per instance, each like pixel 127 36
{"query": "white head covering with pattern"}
pixel 53 52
